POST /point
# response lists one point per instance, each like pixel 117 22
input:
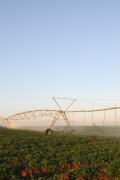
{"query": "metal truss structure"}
pixel 55 115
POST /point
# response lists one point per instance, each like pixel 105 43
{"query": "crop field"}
pixel 34 155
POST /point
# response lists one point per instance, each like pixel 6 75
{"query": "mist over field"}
pixel 81 130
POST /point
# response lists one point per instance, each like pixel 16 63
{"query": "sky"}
pixel 57 48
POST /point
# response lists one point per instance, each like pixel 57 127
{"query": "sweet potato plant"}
pixel 27 155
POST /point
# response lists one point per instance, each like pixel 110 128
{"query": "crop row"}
pixel 33 155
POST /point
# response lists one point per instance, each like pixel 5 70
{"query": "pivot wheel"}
pixel 48 132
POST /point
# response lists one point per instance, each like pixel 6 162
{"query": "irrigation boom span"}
pixel 55 114
pixel 68 111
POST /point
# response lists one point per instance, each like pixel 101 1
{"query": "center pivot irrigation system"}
pixel 54 115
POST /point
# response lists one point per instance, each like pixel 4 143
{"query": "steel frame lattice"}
pixel 55 114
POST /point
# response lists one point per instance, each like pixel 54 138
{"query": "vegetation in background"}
pixel 33 155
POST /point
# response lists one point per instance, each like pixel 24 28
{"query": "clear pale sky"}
pixel 57 48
